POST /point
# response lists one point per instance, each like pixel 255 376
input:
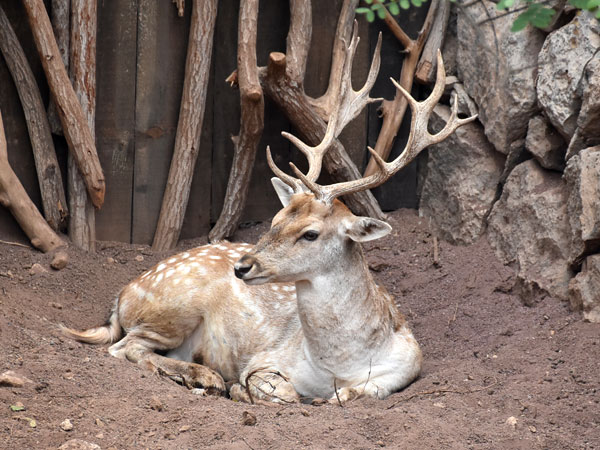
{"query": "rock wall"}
pixel 528 171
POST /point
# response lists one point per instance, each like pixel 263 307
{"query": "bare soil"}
pixel 497 374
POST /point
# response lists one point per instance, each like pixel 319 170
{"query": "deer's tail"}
pixel 109 333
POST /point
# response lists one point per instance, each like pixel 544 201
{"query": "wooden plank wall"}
pixel 141 55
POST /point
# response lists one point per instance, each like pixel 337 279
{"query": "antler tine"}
pixel 287 179
pixel 418 140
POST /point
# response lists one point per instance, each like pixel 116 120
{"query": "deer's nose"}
pixel 241 268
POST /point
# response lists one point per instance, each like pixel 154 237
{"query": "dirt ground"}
pixel 497 374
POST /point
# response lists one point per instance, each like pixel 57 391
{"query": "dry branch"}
pixel 48 172
pixel 14 197
pixel 189 128
pixel 298 39
pixel 76 130
pixel 82 67
pixel 251 124
pixel 60 18
pixel 393 111
pixel 426 68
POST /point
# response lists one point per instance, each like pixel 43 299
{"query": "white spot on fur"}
pixel 274 287
pixel 214 257
pixel 169 273
pixel 184 269
pixel 159 278
pixel 221 247
pixel 185 255
pixel 176 281
pixel 160 267
pixel 234 254
pixel 172 260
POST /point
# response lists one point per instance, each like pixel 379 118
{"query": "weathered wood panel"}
pixel 162 38
pixel 115 115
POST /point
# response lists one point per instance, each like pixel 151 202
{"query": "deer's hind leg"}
pixel 140 349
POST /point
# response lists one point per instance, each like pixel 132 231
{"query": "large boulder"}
pixel 545 144
pixel 587 133
pixel 462 180
pixel 529 229
pixel 561 65
pixel 496 68
pixel 582 176
pixel 584 289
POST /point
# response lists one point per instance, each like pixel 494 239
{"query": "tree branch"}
pixel 82 67
pixel 77 133
pixel 251 124
pixel 298 39
pixel 14 197
pixel 189 127
pixel 49 177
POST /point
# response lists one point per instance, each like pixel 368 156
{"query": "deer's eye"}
pixel 310 235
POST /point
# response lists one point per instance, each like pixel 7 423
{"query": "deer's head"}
pixel 314 231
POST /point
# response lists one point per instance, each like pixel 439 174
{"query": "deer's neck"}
pixel 342 311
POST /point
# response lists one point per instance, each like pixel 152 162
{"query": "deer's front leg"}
pixel 368 389
pixel 269 385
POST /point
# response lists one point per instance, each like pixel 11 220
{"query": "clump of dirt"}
pixel 497 374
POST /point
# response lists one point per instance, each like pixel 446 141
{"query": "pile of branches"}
pixel 66 44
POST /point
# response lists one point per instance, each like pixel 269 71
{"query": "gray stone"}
pixel 78 444
pixel 497 69
pixel 545 144
pixel 584 289
pixel 561 64
pixel 587 133
pixel 529 229
pixel 582 176
pixel 462 180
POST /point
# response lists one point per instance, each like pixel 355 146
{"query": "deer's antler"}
pixel 419 139
pixel 348 105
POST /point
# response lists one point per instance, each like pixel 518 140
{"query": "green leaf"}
pixel 381 13
pixel 370 16
pixel 579 4
pixel 520 22
pixel 17 408
pixel 543 18
pixel 368 2
pixel 417 3
pixel 394 9
pixel 362 10
pixel 504 4
pixel 598 14
pixel 404 4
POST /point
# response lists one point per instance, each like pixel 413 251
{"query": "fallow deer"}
pixel 296 316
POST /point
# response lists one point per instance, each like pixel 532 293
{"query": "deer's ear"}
pixel 284 192
pixel 363 229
